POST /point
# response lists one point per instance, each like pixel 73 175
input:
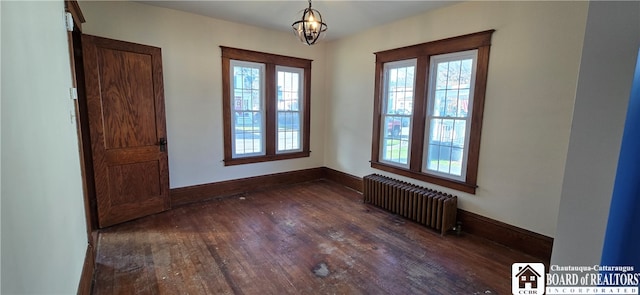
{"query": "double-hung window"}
pixel 247 123
pixel 265 106
pixel 398 108
pixel 448 119
pixel 429 101
pixel 289 110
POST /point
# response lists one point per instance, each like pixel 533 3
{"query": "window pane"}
pixel 453 81
pixel 452 103
pixel 393 77
pixel 248 133
pixel 466 68
pixel 395 145
pixel 248 130
pixel 444 159
pixel 289 115
pixel 446 146
pixel 445 131
pixel 288 131
pixel 399 82
pixel 459 132
pixel 463 103
pixel 433 156
pixel 448 117
pixel 400 90
pixel 439 103
pixel 441 76
pixel 453 75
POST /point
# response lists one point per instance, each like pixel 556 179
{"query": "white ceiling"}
pixel 342 17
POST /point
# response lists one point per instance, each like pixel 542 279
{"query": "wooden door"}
pixel 125 110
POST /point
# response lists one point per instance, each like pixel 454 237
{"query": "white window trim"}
pixel 434 60
pixel 385 100
pixel 261 67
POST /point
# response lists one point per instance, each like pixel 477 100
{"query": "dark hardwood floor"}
pixel 310 238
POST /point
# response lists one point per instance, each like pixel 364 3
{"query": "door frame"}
pixel 85 284
pixel 82 122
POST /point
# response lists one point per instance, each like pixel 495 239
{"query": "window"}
pixel 248 109
pixel 398 107
pixel 289 94
pixel 429 101
pixel 449 93
pixel 265 106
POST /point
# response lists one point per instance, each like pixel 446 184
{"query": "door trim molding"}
pixel 88 270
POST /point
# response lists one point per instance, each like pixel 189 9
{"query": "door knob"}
pixel 163 144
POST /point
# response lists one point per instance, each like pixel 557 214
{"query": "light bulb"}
pixel 312 22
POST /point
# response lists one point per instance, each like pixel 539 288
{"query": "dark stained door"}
pixel 125 106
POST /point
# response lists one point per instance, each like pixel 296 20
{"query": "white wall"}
pixel 530 93
pixel 606 73
pixel 533 68
pixel 192 81
pixel 43 226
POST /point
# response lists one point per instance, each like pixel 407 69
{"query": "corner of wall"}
pixel 596 132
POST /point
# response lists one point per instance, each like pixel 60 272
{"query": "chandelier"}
pixel 311 27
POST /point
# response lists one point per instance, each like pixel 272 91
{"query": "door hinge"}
pixel 68 21
pixel 73 93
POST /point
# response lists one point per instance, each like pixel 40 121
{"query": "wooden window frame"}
pixel 423 52
pixel 270 61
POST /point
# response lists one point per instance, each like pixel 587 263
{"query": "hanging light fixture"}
pixel 311 27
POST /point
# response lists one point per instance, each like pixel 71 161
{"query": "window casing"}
pixel 438 113
pixel 266 106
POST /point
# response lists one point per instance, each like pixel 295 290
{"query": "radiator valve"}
pixel 458 228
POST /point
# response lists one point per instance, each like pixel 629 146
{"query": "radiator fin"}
pixel 428 207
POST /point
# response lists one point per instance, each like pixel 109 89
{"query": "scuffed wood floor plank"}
pixel 310 238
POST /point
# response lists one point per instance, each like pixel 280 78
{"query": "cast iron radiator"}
pixel 431 208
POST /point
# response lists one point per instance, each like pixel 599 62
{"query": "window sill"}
pixel 267 158
pixel 452 184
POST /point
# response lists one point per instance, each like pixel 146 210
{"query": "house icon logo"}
pixel 527 278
